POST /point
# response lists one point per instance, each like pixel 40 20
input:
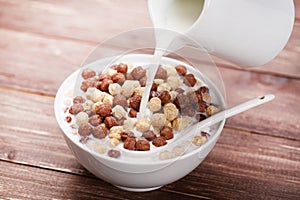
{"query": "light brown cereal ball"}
pixel 180 123
pixel 211 110
pixel 154 104
pixel 199 140
pixel 165 155
pixel 171 111
pixel 142 124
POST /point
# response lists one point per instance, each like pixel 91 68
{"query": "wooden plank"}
pixel 247 166
pixel 93 20
pixel 44 73
pixel 279 117
pixel 238 155
pixel 31 16
pixel 36 183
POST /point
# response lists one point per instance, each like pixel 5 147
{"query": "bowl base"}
pixel 138 189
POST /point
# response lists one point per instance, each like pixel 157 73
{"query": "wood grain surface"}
pixel 42 42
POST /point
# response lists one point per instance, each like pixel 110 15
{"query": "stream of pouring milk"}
pixel 179 16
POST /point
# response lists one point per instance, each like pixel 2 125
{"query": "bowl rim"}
pixel 98 156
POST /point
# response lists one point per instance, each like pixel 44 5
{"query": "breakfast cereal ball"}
pixel 199 140
pixel 111 72
pixel 88 73
pixel 181 70
pixel 78 99
pixel 159 141
pixel 85 130
pixel 170 111
pixel 211 110
pixel 158 82
pixel 113 142
pixel 161 73
pixel 129 124
pixel 103 85
pixel 121 68
pixel 95 95
pixel 110 122
pixel 165 97
pixel 165 155
pixel 114 89
pixel 173 95
pixel 75 109
pixel 158 119
pixel 108 99
pixel 114 153
pixel 154 104
pixel 206 97
pixel 95 120
pixel 139 91
pixel 178 151
pixel 86 84
pixel 180 123
pixel 203 89
pixel 104 110
pixel 120 99
pixel 142 145
pixel 99 132
pixel 128 88
pixel 149 135
pixel 201 106
pixel 135 102
pixel 138 73
pixel 167 132
pixel 127 134
pixel 88 104
pixel 82 118
pixel 93 145
pixel 129 143
pixel 115 132
pixel 119 112
pixel 171 71
pixel 163 87
pixel 142 124
pixel 118 78
pixel 173 82
pixel 189 80
pixel 132 113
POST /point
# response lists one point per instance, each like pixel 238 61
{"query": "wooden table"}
pixel 42 42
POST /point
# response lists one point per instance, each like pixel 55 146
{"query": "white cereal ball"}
pixel 88 104
pixel 119 112
pixel 114 89
pixel 158 119
pixel 173 82
pixel 171 71
pixel 90 92
pixel 111 71
pixel 108 99
pixel 127 88
pixel 82 118
pixel 163 87
pixel 165 155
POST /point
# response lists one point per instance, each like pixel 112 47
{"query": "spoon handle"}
pixel 234 110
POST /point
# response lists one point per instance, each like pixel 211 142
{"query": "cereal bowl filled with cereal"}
pixel 131 144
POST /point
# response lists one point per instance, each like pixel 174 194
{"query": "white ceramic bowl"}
pixel 129 174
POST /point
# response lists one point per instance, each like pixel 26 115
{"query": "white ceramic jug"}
pixel 245 32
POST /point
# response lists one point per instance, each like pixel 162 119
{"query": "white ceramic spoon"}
pixel 196 128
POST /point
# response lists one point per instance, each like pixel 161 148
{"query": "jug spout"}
pixel 246 32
